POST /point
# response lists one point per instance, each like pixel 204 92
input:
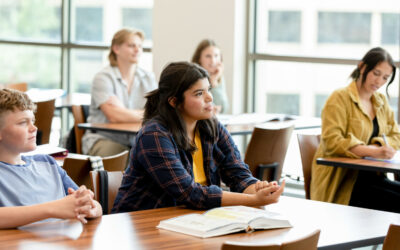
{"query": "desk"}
pixel 125 128
pixel 63 100
pixel 68 100
pixel 235 129
pixel 360 164
pixel 342 227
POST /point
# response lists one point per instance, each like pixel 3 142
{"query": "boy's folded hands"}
pixel 85 206
pixel 78 204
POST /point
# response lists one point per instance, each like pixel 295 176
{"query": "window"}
pixel 38 20
pixel 310 48
pixel 39 66
pixel 287 21
pixel 37 53
pixel 283 103
pixel 301 51
pixel 89 24
pixel 390 28
pixel 319 104
pixel 337 27
pixel 139 18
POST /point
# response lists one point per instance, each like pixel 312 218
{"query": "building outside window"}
pixel 307 49
pixel 301 51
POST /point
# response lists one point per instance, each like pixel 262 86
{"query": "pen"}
pixel 385 139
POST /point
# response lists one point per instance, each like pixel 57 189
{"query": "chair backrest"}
pixel 21 86
pixel 392 240
pixel 308 145
pixel 44 117
pixel 79 169
pixel 309 242
pixel 268 144
pixel 116 162
pixel 78 112
pixel 105 187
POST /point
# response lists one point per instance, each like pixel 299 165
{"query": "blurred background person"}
pixel 118 92
pixel 208 56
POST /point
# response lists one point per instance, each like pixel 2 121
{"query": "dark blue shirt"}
pixel 160 174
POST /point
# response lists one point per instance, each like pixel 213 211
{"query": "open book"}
pixel 224 220
pixel 395 159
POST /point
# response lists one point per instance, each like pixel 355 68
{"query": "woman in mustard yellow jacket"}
pixel 355 121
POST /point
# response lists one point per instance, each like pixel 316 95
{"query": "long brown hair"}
pixel 204 44
pixel 175 79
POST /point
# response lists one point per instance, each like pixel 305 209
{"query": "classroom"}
pixel 154 109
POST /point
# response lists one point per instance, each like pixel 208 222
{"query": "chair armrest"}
pixel 273 166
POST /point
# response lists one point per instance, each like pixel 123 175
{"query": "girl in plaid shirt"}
pixel 182 152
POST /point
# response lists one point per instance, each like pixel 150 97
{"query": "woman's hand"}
pixel 374 150
pixel 383 152
pixel 216 74
pixel 267 193
pixel 263 184
pixel 217 109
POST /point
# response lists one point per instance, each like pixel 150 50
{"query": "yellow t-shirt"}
pixel 198 167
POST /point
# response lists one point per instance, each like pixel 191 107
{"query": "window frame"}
pixel 252 56
pixel 65 45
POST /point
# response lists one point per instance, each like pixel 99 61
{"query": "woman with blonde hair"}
pixel 118 92
pixel 208 56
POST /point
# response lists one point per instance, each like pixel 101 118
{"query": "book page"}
pixel 395 159
pixel 239 213
pixel 200 225
pixel 254 217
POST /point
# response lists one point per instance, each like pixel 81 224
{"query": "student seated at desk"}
pixel 355 121
pixel 33 188
pixel 209 56
pixel 118 94
pixel 182 152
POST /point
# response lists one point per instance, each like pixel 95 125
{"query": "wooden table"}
pixel 360 164
pixel 68 100
pixel 342 227
pixel 124 128
pixel 235 129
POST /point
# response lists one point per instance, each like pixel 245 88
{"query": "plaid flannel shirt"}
pixel 160 174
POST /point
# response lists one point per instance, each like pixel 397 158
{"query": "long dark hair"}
pixel 175 79
pixel 204 44
pixel 370 60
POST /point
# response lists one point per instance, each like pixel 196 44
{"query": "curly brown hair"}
pixel 11 100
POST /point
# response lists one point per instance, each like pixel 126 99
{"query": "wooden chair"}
pixel 392 240
pixel 308 145
pixel 308 242
pixel 80 113
pixel 44 118
pixel 267 148
pixel 21 86
pixel 105 187
pixel 79 169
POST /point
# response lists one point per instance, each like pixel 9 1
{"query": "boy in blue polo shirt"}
pixel 33 188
